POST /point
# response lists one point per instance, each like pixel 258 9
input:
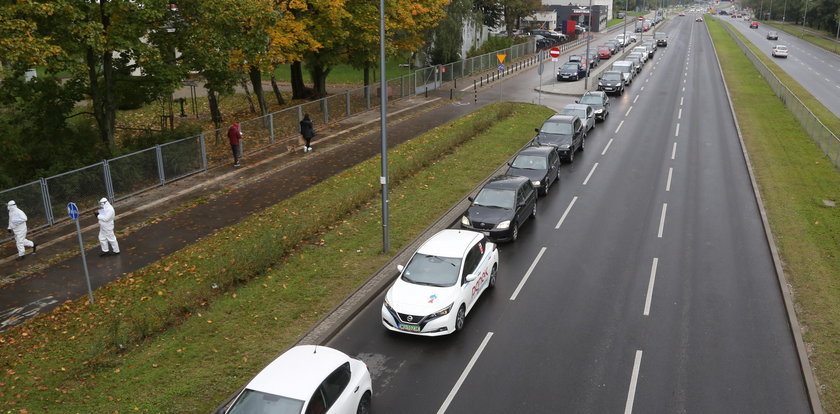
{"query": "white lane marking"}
pixel 685 80
pixel 662 220
pixel 636 99
pixel 679 114
pixel 641 89
pixel 619 126
pixel 608 145
pixel 590 173
pixel 668 184
pixel 628 111
pixel 527 274
pixel 681 100
pixel 647 80
pixel 827 80
pixel 674 151
pixel 650 285
pixel 683 89
pixel 466 372
pixel 677 133
pixel 565 213
pixel 686 74
pixel 634 378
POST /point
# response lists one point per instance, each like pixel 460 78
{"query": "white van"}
pixel 627 69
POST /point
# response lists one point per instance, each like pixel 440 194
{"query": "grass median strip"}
pixel 189 330
pixel 794 178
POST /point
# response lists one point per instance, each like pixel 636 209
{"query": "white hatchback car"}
pixel 307 379
pixel 441 283
pixel 780 51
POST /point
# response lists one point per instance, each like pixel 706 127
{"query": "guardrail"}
pixel 827 140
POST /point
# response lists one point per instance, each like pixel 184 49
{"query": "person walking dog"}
pixel 307 131
pixel 107 238
pixel 234 136
pixel 17 225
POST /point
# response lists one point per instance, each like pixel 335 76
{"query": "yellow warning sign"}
pixel 501 57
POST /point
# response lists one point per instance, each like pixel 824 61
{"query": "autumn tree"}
pixel 514 10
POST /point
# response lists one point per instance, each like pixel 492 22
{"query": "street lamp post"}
pixel 588 63
pixel 383 122
pixel 770 13
pixel 784 12
pixel 805 18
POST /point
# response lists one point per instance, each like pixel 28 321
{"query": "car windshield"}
pixel 591 99
pixel 659 35
pixel 431 270
pixel 603 48
pixel 569 66
pixel 556 128
pixel 251 401
pixel 581 113
pixel 529 162
pixel 611 76
pixel 781 47
pixel 574 58
pixel 622 68
pixel 492 197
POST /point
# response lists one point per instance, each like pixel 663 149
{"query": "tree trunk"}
pixel 256 83
pixel 248 94
pixel 367 78
pixel 215 113
pixel 277 93
pixel 319 80
pixel 101 95
pixel 298 87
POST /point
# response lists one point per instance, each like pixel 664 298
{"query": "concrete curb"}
pixel 795 328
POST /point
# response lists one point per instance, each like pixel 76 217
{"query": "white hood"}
pixel 416 299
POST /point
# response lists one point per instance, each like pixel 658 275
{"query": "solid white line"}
pixel 590 173
pixel 677 133
pixel 466 372
pixel 650 285
pixel 608 144
pixel 662 220
pixel 636 99
pixel 674 151
pixel 668 184
pixel 681 100
pixel 628 111
pixel 565 213
pixel 634 378
pixel 527 274
pixel 679 114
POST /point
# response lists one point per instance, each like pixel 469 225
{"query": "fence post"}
pixel 367 95
pixel 45 197
pixel 347 102
pixel 300 113
pixel 325 108
pixel 202 145
pixel 109 185
pixel 159 155
pixel 271 127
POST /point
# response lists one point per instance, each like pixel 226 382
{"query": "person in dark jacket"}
pixel 234 136
pixel 307 131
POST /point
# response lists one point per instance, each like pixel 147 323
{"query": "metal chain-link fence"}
pixel 826 139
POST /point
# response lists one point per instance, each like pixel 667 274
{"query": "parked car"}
pixel 614 45
pixel 593 57
pixel 310 379
pixel 650 45
pixel 780 51
pixel 605 51
pixel 661 38
pixel 643 51
pixel 501 207
pixel 539 163
pixel 754 25
pixel 598 101
pixel 621 38
pixel 543 42
pixel 564 132
pixel 611 82
pixel 441 283
pixel 571 71
pixel 627 70
pixel 584 112
pixel 772 35
pixel 638 60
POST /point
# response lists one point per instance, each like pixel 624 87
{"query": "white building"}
pixel 585 3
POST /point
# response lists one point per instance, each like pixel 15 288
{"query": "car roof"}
pixel 298 372
pixel 558 118
pixel 581 107
pixel 596 93
pixel 610 71
pixel 449 243
pixel 506 182
pixel 623 63
pixel 537 150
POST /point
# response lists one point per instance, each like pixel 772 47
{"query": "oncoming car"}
pixel 441 283
pixel 307 379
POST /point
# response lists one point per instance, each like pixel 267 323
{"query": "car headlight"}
pixel 465 221
pixel 442 312
pixel 564 147
pixel 536 183
pixel 599 111
pixel 503 225
pixel 388 305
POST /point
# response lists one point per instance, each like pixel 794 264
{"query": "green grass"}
pixel 794 177
pixel 613 22
pixel 829 45
pixel 167 331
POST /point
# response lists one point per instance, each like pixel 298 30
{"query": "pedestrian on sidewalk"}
pixel 234 136
pixel 107 238
pixel 307 131
pixel 17 225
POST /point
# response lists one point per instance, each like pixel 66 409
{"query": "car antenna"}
pixel 315 349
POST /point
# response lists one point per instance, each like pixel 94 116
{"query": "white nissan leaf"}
pixel 441 283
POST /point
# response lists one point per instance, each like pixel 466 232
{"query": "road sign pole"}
pixel 84 260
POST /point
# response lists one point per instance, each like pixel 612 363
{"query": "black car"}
pixel 599 101
pixel 614 45
pixel 593 57
pixel 611 82
pixel 661 38
pixel 571 71
pixel 501 207
pixel 564 132
pixel 538 163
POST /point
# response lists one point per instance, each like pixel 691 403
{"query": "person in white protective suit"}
pixel 107 238
pixel 17 225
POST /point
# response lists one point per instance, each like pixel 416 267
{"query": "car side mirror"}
pixel 577 101
pixel 470 277
pixel 400 268
pixel 536 130
pixel 509 164
pixel 471 199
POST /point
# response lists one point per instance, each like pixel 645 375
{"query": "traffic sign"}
pixel 554 52
pixel 501 66
pixel 501 57
pixel 72 210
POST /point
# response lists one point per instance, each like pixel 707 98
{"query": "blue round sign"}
pixel 72 210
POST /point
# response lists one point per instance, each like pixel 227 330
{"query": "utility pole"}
pixel 383 122
pixel 588 63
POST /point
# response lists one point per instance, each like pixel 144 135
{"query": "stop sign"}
pixel 554 52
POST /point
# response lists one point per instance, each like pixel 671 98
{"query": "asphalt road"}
pixel 644 285
pixel 816 69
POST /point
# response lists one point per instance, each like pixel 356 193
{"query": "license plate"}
pixel 413 328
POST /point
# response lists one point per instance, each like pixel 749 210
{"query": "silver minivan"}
pixel 628 71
